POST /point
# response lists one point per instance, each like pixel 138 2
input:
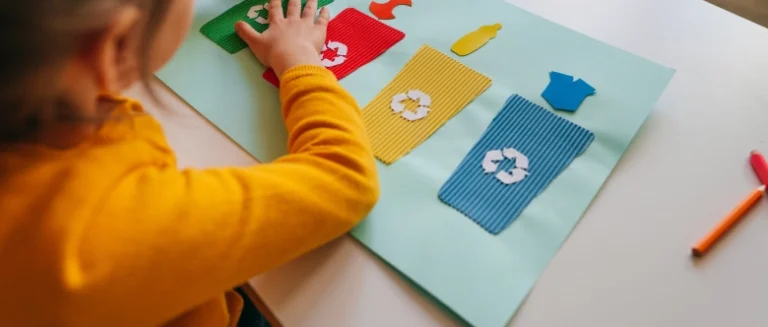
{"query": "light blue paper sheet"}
pixel 482 278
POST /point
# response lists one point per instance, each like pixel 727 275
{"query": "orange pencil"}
pixel 705 244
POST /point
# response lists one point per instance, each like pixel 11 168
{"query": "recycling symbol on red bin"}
pixel 514 175
pixel 334 54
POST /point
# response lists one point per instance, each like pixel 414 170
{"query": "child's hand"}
pixel 290 41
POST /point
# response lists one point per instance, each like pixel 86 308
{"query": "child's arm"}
pixel 165 240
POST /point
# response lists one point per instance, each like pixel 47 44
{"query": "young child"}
pixel 97 225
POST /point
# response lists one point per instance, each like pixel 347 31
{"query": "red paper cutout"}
pixel 356 37
pixel 383 11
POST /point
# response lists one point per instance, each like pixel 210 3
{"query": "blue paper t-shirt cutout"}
pixel 563 93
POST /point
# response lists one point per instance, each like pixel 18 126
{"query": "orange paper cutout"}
pixel 383 11
pixel 477 39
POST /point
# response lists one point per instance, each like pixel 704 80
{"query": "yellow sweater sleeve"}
pixel 168 240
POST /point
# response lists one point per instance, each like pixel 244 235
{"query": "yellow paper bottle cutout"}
pixel 471 42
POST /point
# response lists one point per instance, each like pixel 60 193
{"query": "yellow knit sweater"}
pixel 111 233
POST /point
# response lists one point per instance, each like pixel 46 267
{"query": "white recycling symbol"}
pixel 514 175
pixel 399 107
pixel 341 53
pixel 255 13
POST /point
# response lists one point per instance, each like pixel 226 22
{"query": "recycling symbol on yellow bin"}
pixel 514 175
pixel 398 105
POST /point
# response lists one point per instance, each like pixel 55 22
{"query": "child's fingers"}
pixel 325 16
pixel 310 9
pixel 294 9
pixel 248 34
pixel 275 10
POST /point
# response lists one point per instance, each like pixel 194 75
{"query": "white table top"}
pixel 627 263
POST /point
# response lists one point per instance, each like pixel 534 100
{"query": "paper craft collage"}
pixel 494 130
pixel 430 90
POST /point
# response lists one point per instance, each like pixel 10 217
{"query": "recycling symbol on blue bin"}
pixel 515 175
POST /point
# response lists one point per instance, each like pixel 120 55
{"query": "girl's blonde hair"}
pixel 38 37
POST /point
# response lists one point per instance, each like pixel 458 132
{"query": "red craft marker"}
pixel 760 166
